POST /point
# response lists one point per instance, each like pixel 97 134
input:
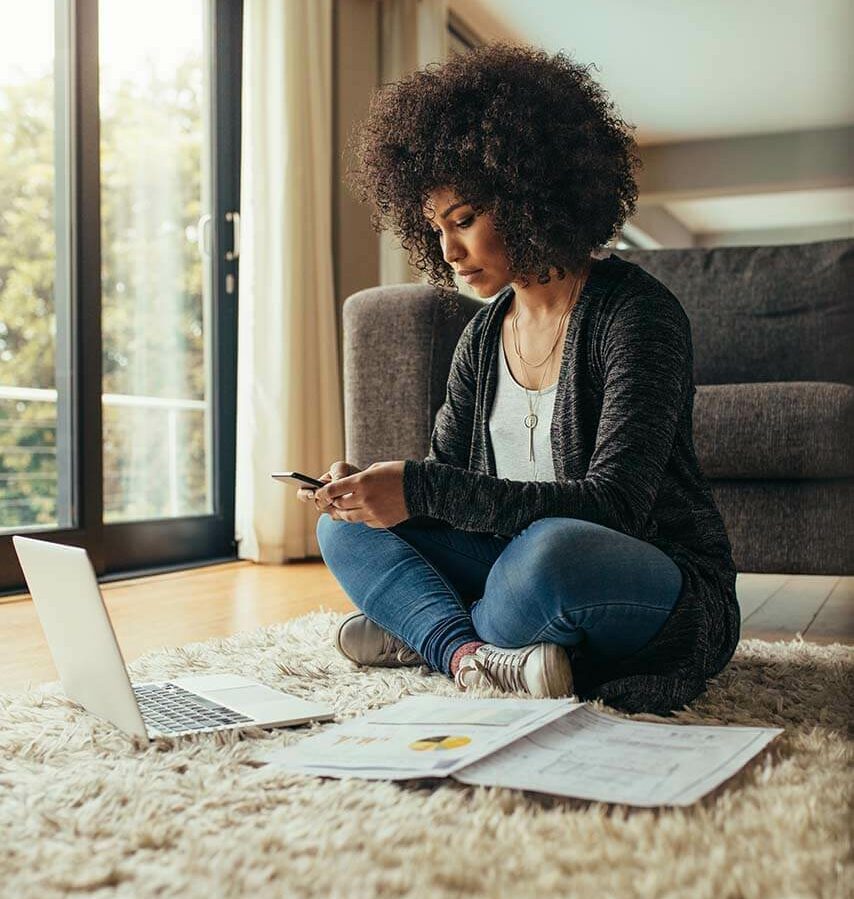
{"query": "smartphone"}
pixel 298 479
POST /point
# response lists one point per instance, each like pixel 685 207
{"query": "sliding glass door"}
pixel 35 248
pixel 119 255
pixel 156 210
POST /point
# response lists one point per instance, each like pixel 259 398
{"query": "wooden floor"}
pixel 188 606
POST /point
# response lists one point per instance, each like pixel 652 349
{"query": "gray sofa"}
pixel 773 411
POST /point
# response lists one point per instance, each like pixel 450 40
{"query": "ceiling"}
pixel 686 71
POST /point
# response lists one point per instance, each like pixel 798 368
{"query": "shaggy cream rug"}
pixel 85 811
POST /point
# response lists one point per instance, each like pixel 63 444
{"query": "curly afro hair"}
pixel 526 136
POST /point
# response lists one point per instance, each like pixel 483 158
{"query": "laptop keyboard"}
pixel 168 708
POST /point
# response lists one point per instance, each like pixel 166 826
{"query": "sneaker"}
pixel 366 643
pixel 542 670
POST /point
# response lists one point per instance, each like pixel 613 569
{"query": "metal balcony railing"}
pixel 170 406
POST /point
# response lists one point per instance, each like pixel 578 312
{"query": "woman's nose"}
pixel 453 250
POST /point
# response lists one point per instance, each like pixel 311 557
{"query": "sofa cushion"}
pixel 766 313
pixel 797 429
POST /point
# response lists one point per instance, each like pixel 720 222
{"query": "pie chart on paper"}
pixel 444 741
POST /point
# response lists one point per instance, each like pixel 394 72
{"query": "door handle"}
pixel 234 252
pixel 204 238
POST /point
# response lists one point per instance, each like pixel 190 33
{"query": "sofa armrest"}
pixel 398 344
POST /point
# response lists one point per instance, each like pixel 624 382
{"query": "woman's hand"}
pixel 336 470
pixel 374 496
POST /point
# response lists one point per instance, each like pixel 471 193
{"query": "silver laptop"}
pixel 80 635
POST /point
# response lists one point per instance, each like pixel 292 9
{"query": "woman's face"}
pixel 469 242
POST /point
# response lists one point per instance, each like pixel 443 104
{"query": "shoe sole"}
pixel 557 672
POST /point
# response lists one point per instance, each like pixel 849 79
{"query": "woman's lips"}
pixel 469 278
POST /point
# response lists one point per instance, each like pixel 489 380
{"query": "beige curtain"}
pixel 288 384
pixel 413 34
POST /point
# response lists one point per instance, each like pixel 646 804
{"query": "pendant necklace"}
pixel 531 418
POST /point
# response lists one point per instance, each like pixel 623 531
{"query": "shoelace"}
pixel 394 648
pixel 405 655
pixel 506 668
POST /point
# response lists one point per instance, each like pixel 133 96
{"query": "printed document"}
pixel 420 736
pixel 550 746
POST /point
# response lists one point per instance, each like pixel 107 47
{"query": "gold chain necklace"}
pixel 531 418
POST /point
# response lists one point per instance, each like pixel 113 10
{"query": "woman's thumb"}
pixel 339 470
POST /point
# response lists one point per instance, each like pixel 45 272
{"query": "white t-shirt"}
pixel 507 431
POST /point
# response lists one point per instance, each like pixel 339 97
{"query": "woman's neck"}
pixel 540 305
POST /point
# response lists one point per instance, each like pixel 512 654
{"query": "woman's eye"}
pixel 465 223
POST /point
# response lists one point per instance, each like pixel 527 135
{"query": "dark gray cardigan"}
pixel 624 457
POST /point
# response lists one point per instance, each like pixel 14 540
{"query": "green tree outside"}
pixel 152 312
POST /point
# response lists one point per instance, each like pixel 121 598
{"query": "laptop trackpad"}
pixel 240 698
pixel 249 697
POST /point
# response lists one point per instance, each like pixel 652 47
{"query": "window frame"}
pixel 132 549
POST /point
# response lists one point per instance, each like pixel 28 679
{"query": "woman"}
pixel 559 537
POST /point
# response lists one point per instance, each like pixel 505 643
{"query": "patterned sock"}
pixel 464 650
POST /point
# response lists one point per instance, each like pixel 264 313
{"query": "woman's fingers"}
pixel 336 470
pixel 326 478
pixel 306 494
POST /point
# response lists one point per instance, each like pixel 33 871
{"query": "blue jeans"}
pixel 561 580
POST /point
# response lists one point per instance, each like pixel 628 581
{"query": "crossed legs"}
pixel 561 580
